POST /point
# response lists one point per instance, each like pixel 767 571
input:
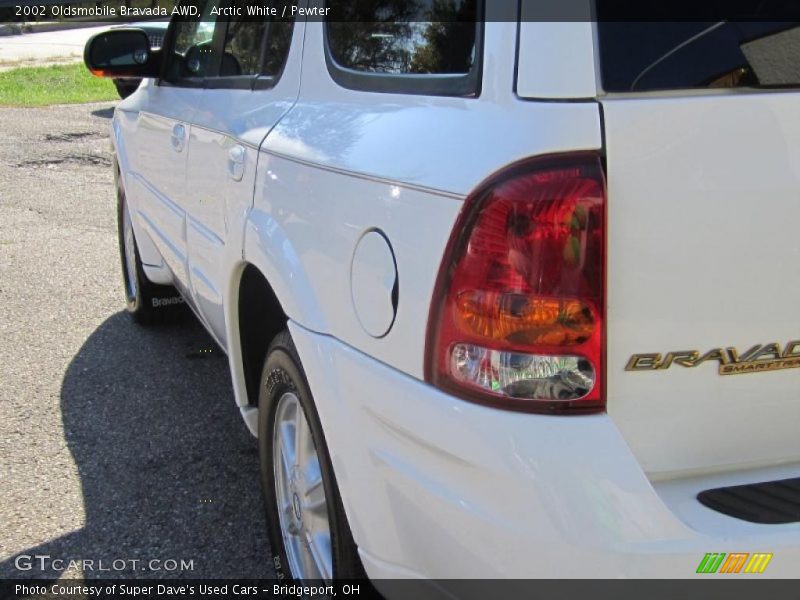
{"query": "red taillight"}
pixel 517 315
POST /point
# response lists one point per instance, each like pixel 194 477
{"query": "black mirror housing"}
pixel 123 52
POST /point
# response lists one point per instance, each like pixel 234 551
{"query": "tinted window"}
pixel 243 40
pixel 398 38
pixel 223 51
pixel 639 56
pixel 276 52
pixel 193 54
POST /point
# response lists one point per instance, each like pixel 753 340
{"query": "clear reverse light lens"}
pixel 522 376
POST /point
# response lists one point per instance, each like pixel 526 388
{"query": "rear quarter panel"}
pixel 343 162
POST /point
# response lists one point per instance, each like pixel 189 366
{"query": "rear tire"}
pixel 146 302
pixel 307 525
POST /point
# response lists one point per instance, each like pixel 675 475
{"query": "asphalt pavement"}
pixel 35 49
pixel 117 442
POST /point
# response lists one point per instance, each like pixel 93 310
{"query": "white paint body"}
pixel 704 201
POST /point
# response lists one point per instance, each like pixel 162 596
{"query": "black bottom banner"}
pixel 473 589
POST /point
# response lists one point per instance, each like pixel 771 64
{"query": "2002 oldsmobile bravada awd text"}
pixel 501 297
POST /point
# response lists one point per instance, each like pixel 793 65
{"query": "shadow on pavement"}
pixel 168 470
pixel 104 113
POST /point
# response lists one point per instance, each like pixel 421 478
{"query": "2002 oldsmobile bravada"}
pixel 501 297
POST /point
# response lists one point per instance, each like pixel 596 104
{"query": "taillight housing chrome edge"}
pixel 518 314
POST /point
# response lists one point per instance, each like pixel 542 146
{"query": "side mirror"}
pixel 121 53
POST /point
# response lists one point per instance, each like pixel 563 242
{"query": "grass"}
pixel 56 84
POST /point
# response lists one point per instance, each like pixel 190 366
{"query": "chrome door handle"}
pixel 178 137
pixel 236 157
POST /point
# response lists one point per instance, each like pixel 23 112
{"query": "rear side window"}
pixel 427 47
pixel 647 56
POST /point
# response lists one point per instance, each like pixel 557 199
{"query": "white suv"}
pixel 501 297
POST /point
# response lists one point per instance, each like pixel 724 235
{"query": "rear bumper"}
pixel 439 488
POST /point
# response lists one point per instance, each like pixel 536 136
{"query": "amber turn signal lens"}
pixel 522 319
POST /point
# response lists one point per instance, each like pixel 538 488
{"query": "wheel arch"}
pixel 256 316
pixel 151 257
pixel 268 288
